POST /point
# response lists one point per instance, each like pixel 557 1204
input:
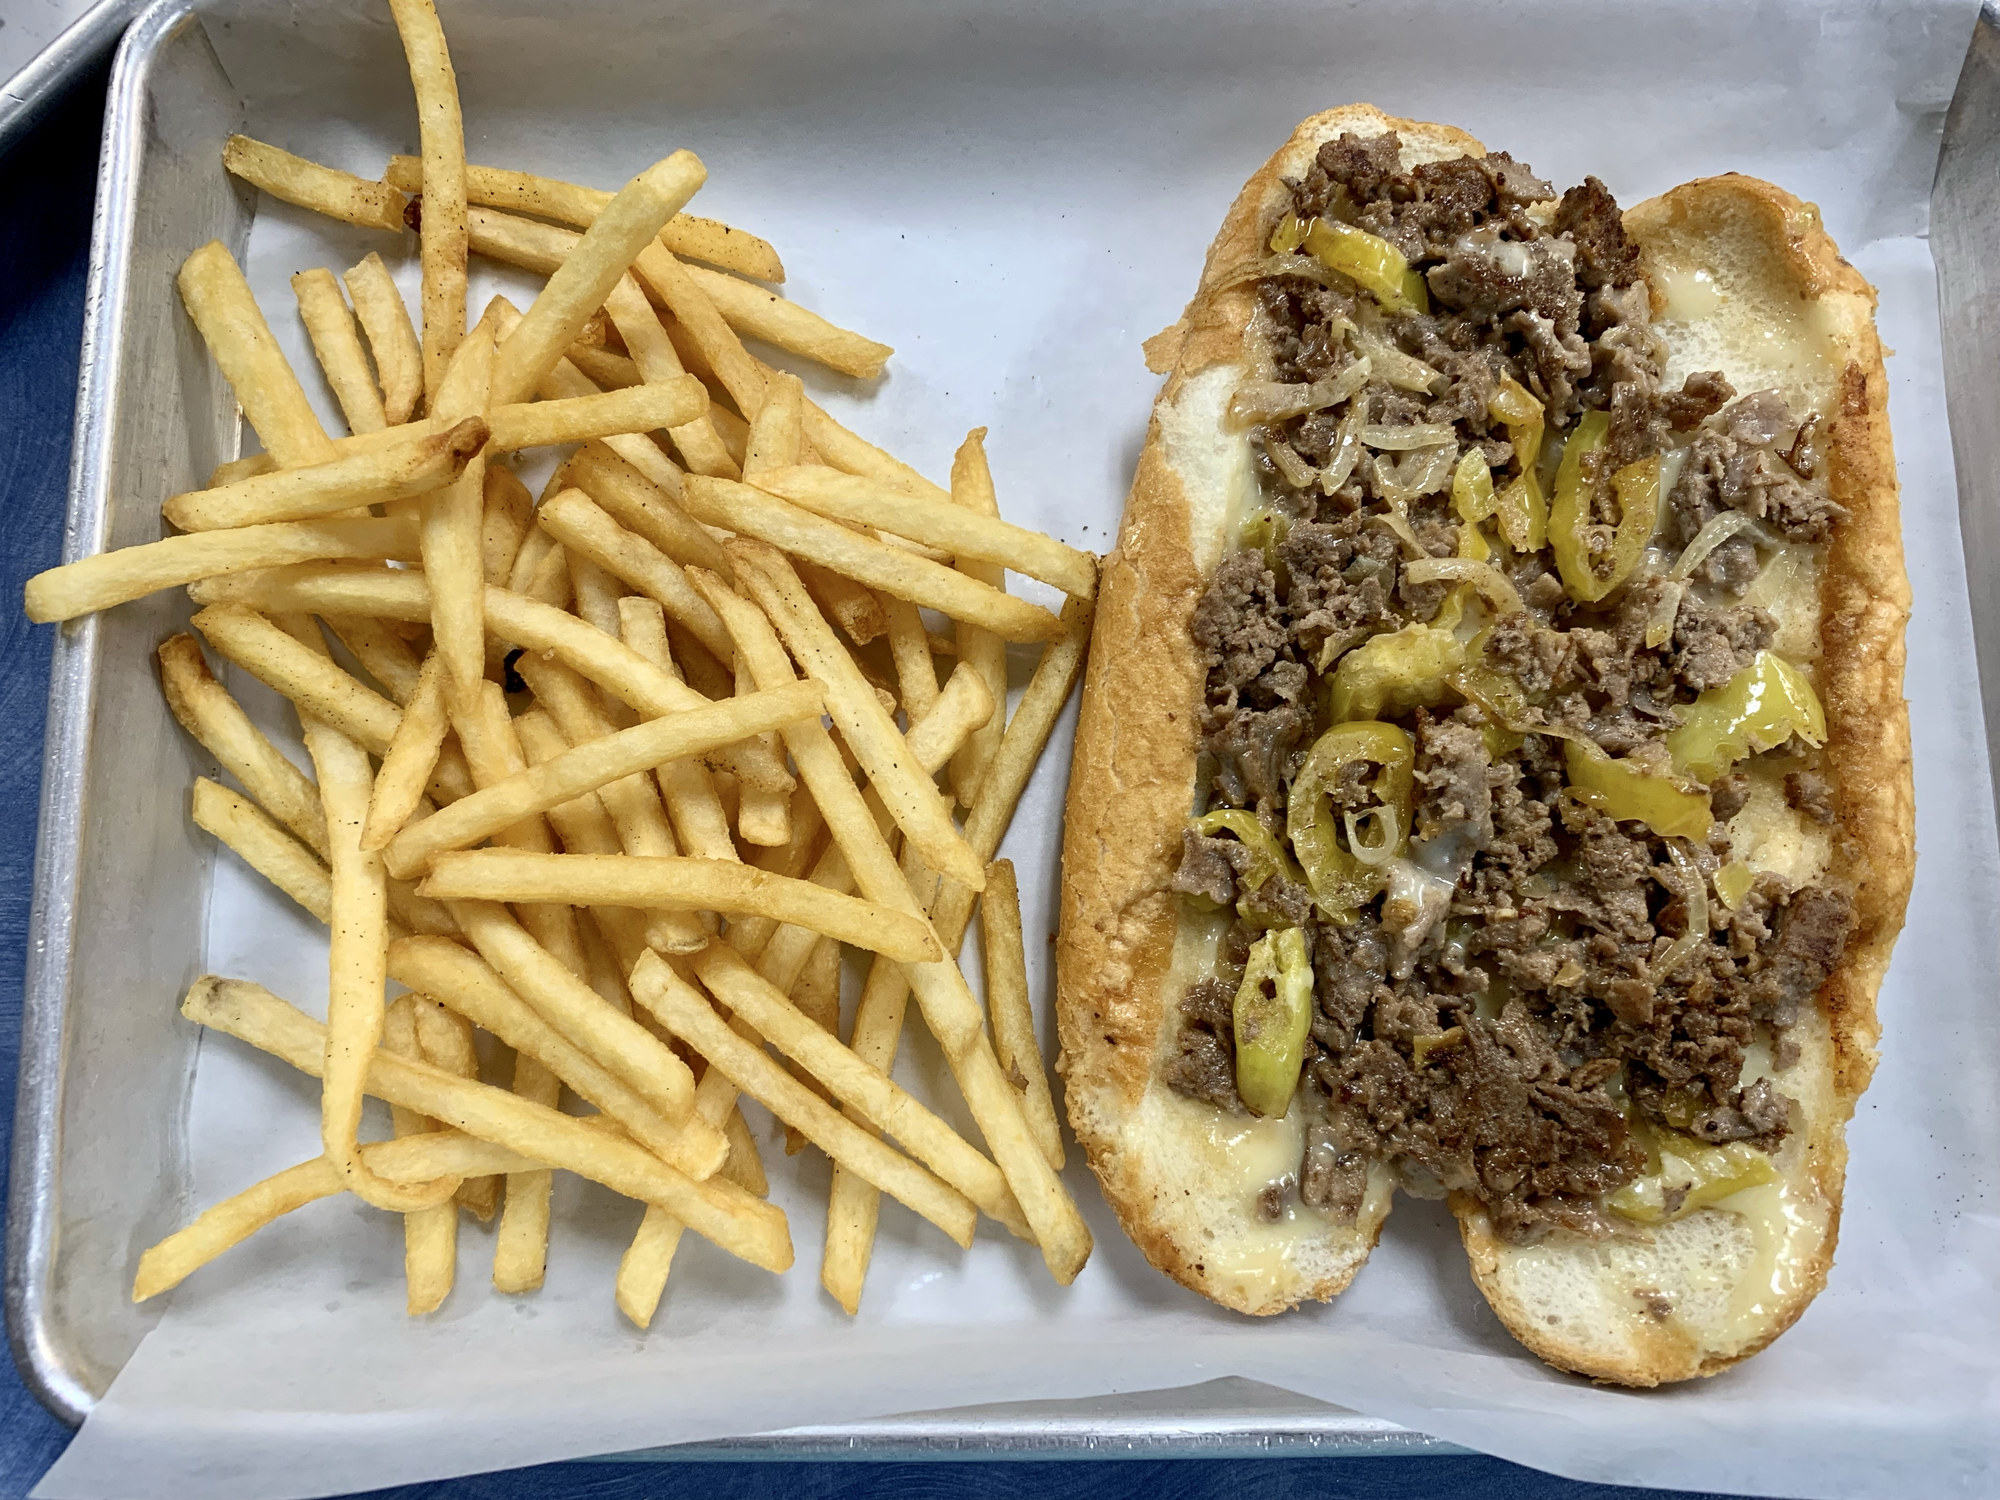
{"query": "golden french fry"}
pixel 356 971
pixel 420 463
pixel 653 357
pixel 853 606
pixel 409 760
pixel 207 711
pixel 576 289
pixel 324 190
pixel 908 793
pixel 535 546
pixel 958 530
pixel 308 677
pixel 464 981
pixel 856 455
pixel 765 315
pixel 223 308
pixel 1007 1005
pixel 509 513
pixel 869 1090
pixel 430 1235
pixel 521 1244
pixel 793 858
pixel 565 382
pixel 643 507
pixel 745 1166
pixel 910 650
pixel 732 429
pixel 956 715
pixel 384 654
pixel 545 197
pixel 594 592
pixel 684 1012
pixel 441 230
pixel 972 491
pixel 695 884
pixel 337 342
pixel 453 520
pixel 528 243
pixel 606 368
pixel 718 1211
pixel 229 1223
pixel 817 997
pixel 399 360
pixel 113 578
pixel 541 424
pixel 706 329
pixel 588 767
pixel 444 1039
pixel 751 512
pixel 633 803
pixel 576 521
pixel 775 432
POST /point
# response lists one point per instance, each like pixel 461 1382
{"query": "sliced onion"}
pixel 1398 521
pixel 1413 435
pixel 1695 893
pixel 1298 473
pixel 1346 452
pixel 1714 532
pixel 1420 472
pixel 1258 401
pixel 1660 623
pixel 1404 371
pixel 1383 849
pixel 1489 580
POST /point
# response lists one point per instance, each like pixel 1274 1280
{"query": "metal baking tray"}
pixel 47 46
pixel 99 1146
pixel 99 1151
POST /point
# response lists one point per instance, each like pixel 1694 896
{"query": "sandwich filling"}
pixel 1512 811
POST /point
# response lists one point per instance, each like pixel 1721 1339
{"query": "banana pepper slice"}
pixel 1272 1015
pixel 1758 709
pixel 1404 669
pixel 1341 879
pixel 1627 791
pixel 1637 486
pixel 1267 855
pixel 1685 1174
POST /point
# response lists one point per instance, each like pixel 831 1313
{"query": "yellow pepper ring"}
pixel 1340 882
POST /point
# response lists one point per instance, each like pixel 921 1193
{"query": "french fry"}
pixel 521 1244
pixel 444 1039
pixel 745 1167
pixel 700 821
pixel 853 606
pixel 763 815
pixel 632 802
pixel 207 711
pixel 441 232
pixel 906 791
pixel 409 760
pixel 793 858
pixel 541 424
pixel 958 530
pixel 430 1235
pixel 565 382
pixel 464 981
pixel 707 330
pixel 972 490
pixel 320 689
pixel 295 869
pixel 535 546
pixel 229 1223
pixel 856 455
pixel 955 715
pixel 453 519
pixel 765 315
pixel 588 767
pixel 516 241
pixel 775 432
pixel 869 1090
pixel 424 461
pixel 113 578
pixel 732 429
pixel 576 521
pixel 576 289
pixel 356 971
pixel 751 512
pixel 653 356
pixel 910 650
pixel 693 884
pixel 641 506
pixel 383 654
pixel 683 1011
pixel 607 370
pixel 337 341
pixel 324 190
pixel 718 1211
pixel 508 516
pixel 224 310
pixel 1007 1006
pixel 684 234
pixel 392 341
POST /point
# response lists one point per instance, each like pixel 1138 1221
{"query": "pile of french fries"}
pixel 574 781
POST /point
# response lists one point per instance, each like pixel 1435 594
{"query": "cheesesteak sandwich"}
pixel 1493 779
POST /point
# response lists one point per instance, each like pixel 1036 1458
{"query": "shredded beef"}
pixel 1493 1022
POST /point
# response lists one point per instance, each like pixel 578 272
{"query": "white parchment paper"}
pixel 1015 196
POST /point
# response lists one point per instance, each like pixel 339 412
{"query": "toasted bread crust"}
pixel 1133 776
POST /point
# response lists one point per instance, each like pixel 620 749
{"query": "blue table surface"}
pixel 46 190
